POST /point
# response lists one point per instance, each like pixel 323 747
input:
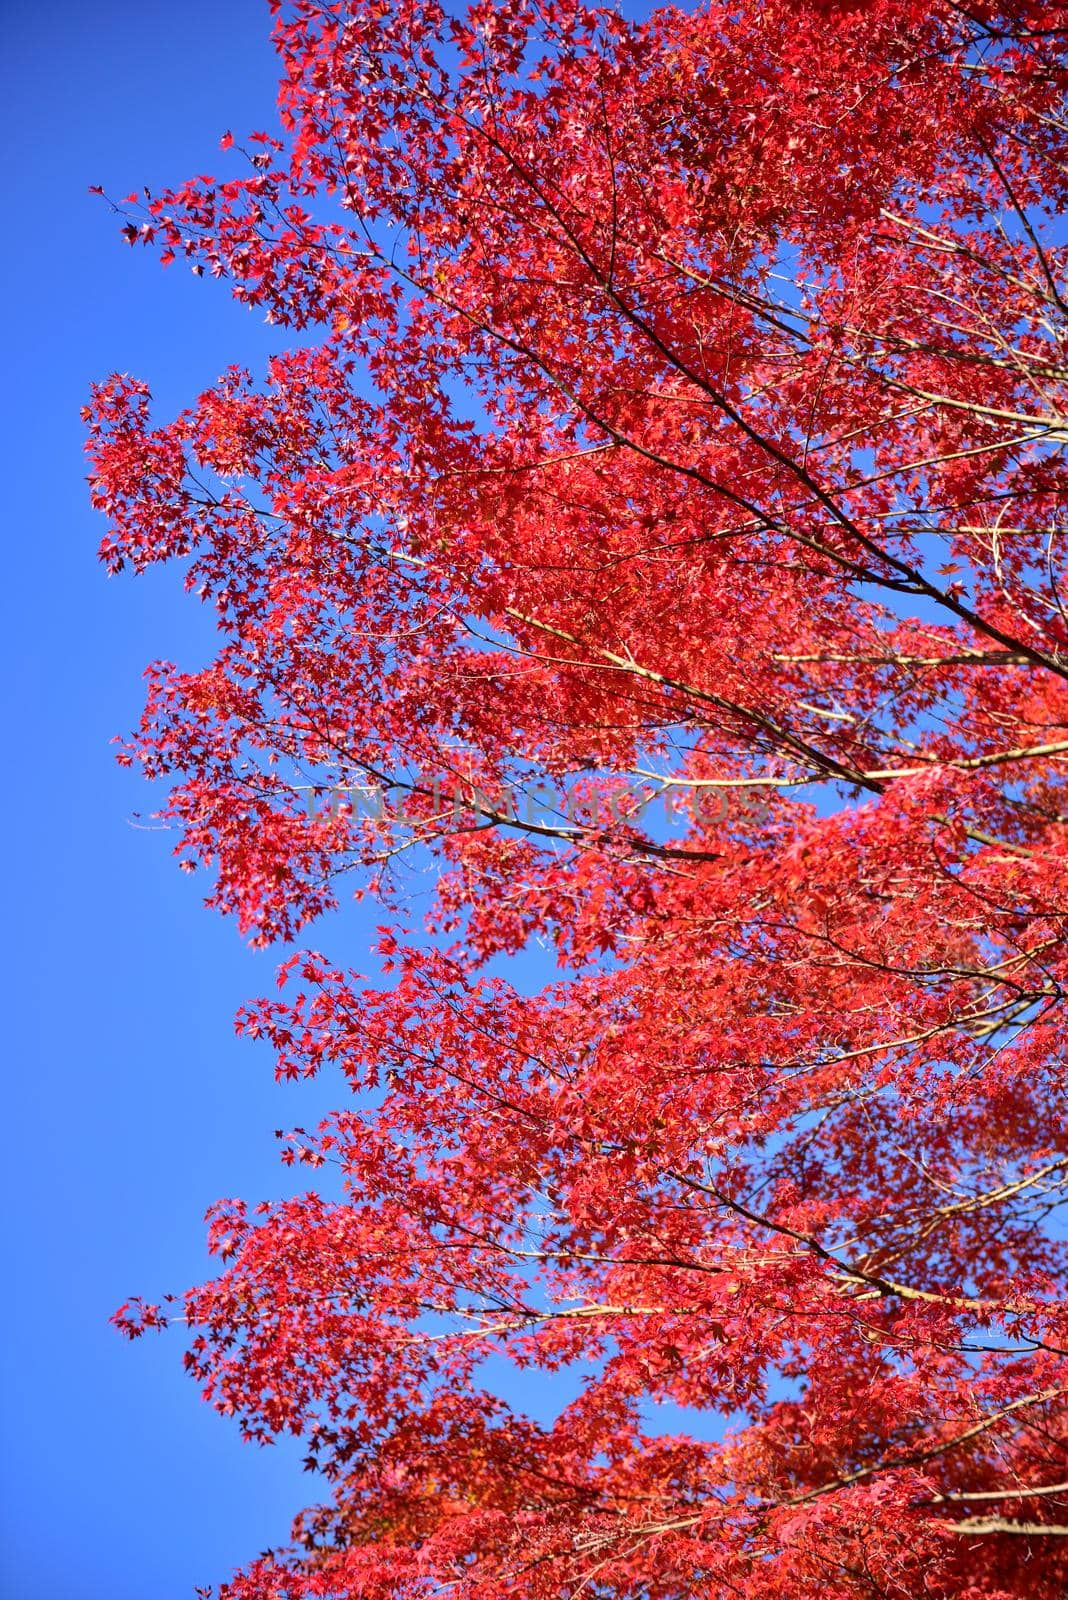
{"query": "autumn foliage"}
pixel 674 411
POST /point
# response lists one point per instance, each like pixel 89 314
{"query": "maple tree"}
pixel 676 408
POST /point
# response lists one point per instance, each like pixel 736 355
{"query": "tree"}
pixel 663 499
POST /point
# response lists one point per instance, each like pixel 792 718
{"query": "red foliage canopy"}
pixel 678 413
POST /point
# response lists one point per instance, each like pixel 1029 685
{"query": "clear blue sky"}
pixel 130 1104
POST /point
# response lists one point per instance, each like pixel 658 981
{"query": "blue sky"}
pixel 130 1104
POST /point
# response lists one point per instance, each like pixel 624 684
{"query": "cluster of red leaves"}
pixel 683 401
